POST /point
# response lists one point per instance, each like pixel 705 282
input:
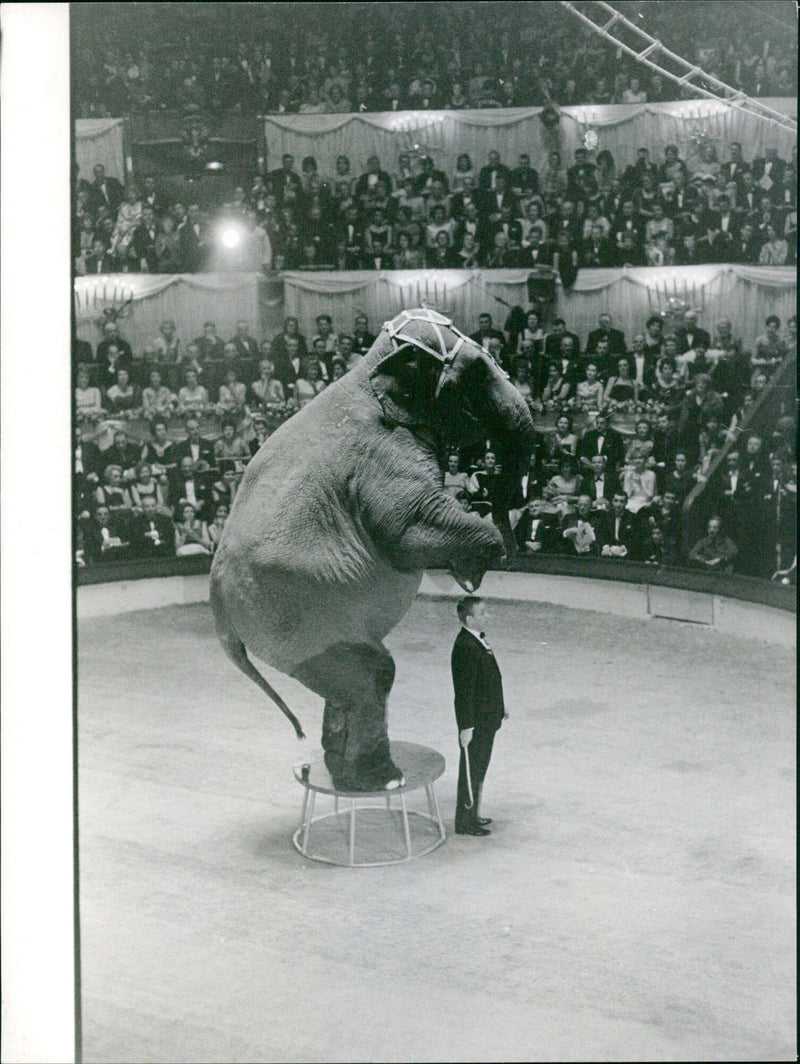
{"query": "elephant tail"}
pixel 237 652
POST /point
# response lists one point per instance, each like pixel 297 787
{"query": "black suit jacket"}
pixel 485 176
pixel 183 449
pixel 477 683
pixel 112 197
pixel 610 485
pixel 616 341
pixel 629 533
pixel 613 447
pixel 143 546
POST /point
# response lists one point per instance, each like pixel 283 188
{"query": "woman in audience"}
pixel 641 444
pixel 146 485
pixel 403 256
pixel 589 393
pixel 520 380
pixel 193 397
pixel 232 395
pixel 556 388
pixel 158 452
pixel 157 399
pixel 268 391
pixel 463 170
pixel 563 488
pixel 621 388
pixel 128 217
pixel 553 179
pixel 88 403
pixel 774 250
pixel 230 450
pixel 639 484
pixel 121 397
pixel 532 331
pixel 112 492
pixel 309 384
pixel 214 529
pixel 191 536
pixel 167 246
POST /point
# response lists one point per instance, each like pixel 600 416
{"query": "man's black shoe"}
pixel 483 821
pixel 473 831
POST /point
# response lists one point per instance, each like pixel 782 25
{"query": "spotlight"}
pixel 230 237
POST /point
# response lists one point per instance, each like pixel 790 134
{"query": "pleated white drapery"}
pixel 745 294
pixel 100 140
pixel 621 128
pixel 187 299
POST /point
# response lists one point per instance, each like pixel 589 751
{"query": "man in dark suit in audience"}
pixel 121 453
pixel 537 530
pixel 194 447
pixel 105 536
pixel 615 338
pixel 187 484
pixel 602 440
pixel 369 180
pixel 193 241
pixel 598 483
pixel 552 344
pixel 152 534
pixel 284 182
pixel 691 332
pixel 619 531
pixel 487 179
pixel 105 192
pixel 480 711
pixel 486 330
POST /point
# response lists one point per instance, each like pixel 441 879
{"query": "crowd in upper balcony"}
pixel 274 58
pixel 490 212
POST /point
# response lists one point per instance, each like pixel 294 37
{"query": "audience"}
pixel 611 470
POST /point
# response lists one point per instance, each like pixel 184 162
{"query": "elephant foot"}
pixel 363 774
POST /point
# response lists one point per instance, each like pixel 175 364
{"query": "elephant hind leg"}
pixel 355 680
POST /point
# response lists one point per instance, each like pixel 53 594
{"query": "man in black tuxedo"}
pixel 480 711
pixel 524 179
pixel 619 532
pixel 552 344
pixel 105 192
pixel 142 249
pixel 745 248
pixel 487 178
pixel 736 165
pixel 691 333
pixel 615 338
pixel 209 344
pixel 194 447
pixel 152 535
pixel 369 180
pixel 99 260
pixel 189 485
pixel 121 453
pixel 111 338
pixel 153 198
pixel 769 170
pixel 598 483
pixel 602 440
pixel 246 345
pixel 284 182
pixel 105 536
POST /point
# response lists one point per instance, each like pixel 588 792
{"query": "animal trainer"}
pixel 339 513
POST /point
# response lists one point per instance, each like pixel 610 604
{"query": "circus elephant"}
pixel 338 514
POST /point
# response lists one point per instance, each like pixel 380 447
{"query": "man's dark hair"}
pixel 466 606
pixel 773 318
pixel 325 317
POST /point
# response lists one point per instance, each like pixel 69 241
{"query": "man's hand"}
pixel 465 737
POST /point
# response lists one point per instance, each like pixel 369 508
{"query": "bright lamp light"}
pixel 230 237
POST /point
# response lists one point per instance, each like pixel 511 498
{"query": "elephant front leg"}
pixel 355 680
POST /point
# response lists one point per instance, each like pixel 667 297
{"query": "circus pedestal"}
pixel 370 828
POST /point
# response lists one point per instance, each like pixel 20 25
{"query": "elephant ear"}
pixel 405 383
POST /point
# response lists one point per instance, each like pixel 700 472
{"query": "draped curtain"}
pixel 188 299
pixel 746 295
pixel 100 140
pixel 621 128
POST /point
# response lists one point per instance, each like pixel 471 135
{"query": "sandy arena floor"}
pixel 635 901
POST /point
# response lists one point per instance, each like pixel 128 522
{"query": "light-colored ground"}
pixel 636 899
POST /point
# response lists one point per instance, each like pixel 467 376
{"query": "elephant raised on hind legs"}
pixel 338 514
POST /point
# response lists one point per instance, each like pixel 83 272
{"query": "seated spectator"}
pixel 462 172
pixel 580 529
pixel 209 345
pixel 157 399
pixel 122 453
pixel 122 397
pixel 589 395
pixel 105 536
pixel 145 484
pixel 774 250
pixel 715 551
pixel 230 450
pixel 309 382
pixel 245 344
pixel 621 387
pixel 557 386
pixel 214 529
pixel 455 480
pixel 639 484
pixel 232 395
pixel 128 217
pixel 112 491
pixel 619 530
pixel 158 452
pixel 193 397
pixel 190 535
pixel 200 450
pixel 268 391
pixel 261 434
pixel 599 483
pixel 521 380
pixel 561 490
pixel 88 403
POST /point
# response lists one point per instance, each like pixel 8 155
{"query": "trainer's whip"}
pixel 471 801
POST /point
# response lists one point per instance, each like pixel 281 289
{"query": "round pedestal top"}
pixel 419 764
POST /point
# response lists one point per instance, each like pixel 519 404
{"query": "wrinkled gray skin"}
pixel 336 517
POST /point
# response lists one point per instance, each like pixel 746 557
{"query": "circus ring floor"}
pixel 636 899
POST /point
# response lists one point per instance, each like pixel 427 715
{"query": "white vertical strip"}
pixel 38 1020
